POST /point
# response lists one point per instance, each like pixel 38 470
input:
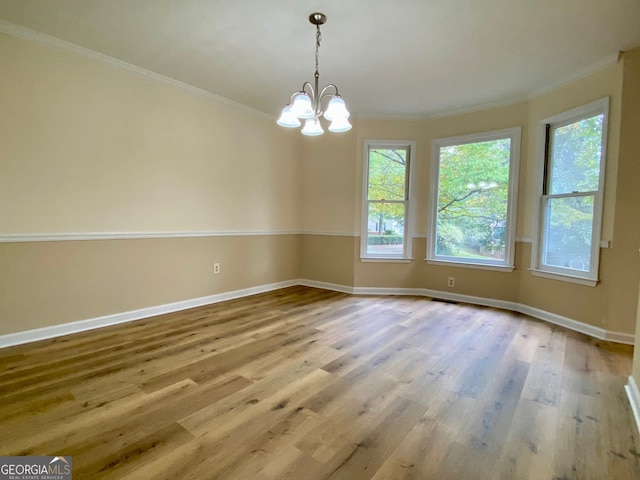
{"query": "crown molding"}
pixel 24 33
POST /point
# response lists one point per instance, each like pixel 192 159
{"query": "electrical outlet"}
pixel 451 282
pixel 216 268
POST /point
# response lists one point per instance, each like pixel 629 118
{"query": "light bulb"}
pixel 288 118
pixel 336 110
pixel 340 125
pixel 312 127
pixel 301 107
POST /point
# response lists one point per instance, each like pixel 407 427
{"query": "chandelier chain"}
pixel 318 39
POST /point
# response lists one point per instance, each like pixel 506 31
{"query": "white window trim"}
pixel 478 266
pixel 508 264
pixel 562 274
pixel 386 259
pixel 566 278
pixel 407 254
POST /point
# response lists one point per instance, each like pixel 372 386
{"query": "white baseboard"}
pixel 388 291
pixel 634 399
pixel 326 286
pixel 93 323
pixel 549 317
pixel 34 335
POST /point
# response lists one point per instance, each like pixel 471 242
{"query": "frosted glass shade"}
pixel 312 127
pixel 288 118
pixel 302 107
pixel 336 110
pixel 340 125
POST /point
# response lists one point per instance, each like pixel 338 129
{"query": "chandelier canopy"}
pixel 306 104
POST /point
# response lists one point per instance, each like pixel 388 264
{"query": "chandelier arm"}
pixel 324 93
pixel 312 94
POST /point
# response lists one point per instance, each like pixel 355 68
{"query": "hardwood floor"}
pixel 309 384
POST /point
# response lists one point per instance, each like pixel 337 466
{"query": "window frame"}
pixel 565 118
pixel 407 253
pixel 508 264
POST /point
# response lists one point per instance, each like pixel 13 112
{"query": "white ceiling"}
pixel 404 58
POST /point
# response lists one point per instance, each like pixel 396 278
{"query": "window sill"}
pixel 386 259
pixel 477 266
pixel 563 278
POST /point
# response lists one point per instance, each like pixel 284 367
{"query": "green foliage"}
pixel 450 239
pixel 387 183
pixel 569 234
pixel 387 169
pixel 576 148
pixel 575 167
pixel 385 239
pixel 473 192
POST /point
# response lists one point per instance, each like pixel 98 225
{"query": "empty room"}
pixel 319 240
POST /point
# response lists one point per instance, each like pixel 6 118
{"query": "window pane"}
pixel 386 229
pixel 575 156
pixel 387 167
pixel 473 192
pixel 569 223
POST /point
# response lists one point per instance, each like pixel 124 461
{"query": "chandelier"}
pixel 306 104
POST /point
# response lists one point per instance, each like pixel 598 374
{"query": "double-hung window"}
pixel 386 208
pixel 567 243
pixel 474 180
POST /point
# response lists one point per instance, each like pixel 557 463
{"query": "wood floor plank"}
pixel 419 455
pixel 544 382
pixel 295 384
pixel 529 443
pixel 580 447
pixel 493 416
pixel 371 452
pixel 303 383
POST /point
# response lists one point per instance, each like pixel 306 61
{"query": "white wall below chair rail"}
pixel 44 333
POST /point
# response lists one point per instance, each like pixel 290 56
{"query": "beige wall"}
pixel 592 305
pixel 626 264
pixel 328 176
pixel 636 352
pixel 329 258
pixel 90 147
pixel 49 283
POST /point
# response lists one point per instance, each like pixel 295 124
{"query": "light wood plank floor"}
pixel 309 384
